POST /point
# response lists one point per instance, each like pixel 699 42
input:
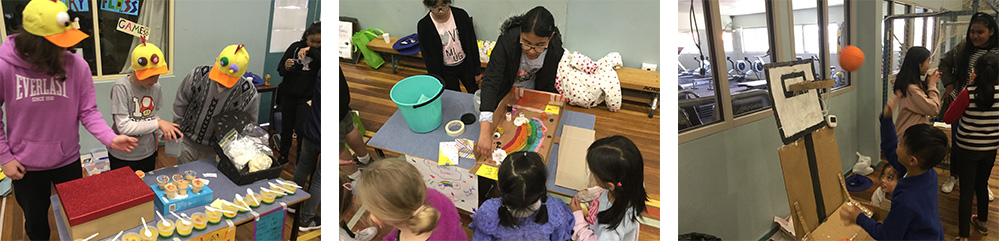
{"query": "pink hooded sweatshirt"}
pixel 41 116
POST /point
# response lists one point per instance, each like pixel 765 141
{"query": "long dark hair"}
pixel 617 160
pixel 313 29
pixel 909 73
pixel 43 55
pixel 522 178
pixel 962 64
pixel 538 21
pixel 986 76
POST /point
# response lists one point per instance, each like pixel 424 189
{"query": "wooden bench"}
pixel 379 45
pixel 644 82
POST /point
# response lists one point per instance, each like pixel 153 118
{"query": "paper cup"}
pixel 386 37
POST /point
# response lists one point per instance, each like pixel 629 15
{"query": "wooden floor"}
pixel 369 91
pixel 948 204
pixel 13 218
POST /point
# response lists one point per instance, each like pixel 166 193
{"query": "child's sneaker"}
pixel 310 225
pixel 979 225
pixel 367 234
pixel 948 186
pixel 991 197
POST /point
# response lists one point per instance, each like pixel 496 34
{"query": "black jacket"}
pixel 344 96
pixel 298 83
pixel 433 52
pixel 311 130
pixel 504 63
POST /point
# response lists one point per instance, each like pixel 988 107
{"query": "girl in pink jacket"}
pixel 918 99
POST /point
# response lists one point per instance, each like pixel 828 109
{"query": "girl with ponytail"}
pixel 976 142
pixel 616 165
pixel 395 194
pixel 524 211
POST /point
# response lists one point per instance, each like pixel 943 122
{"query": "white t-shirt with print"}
pixel 451 45
pixel 528 70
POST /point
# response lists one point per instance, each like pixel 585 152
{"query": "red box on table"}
pixel 105 203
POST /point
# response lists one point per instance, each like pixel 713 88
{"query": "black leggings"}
pixel 33 191
pixel 975 170
pixel 293 113
pixel 147 164
pixel 455 77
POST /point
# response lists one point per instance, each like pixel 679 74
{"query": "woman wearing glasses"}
pixel 457 56
pixel 526 56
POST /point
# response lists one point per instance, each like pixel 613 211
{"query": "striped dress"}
pixel 979 129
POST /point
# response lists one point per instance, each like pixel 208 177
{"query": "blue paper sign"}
pixel 130 7
pixel 270 226
pixel 77 5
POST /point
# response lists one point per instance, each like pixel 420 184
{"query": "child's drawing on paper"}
pixel 453 181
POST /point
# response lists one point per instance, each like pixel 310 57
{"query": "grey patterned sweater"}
pixel 199 99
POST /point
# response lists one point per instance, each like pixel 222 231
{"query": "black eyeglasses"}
pixel 440 8
pixel 532 47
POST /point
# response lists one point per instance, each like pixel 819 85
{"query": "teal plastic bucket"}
pixel 419 99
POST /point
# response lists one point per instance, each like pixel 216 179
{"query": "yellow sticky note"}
pixel 216 204
pixel 552 109
pixel 487 171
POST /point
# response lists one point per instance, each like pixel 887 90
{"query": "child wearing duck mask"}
pixel 207 92
pixel 135 102
pixel 46 92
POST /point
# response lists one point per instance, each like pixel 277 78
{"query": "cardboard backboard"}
pixel 796 112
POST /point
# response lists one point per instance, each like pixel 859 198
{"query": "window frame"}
pixel 99 75
pixel 773 13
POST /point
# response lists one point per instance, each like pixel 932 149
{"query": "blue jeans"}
pixel 308 163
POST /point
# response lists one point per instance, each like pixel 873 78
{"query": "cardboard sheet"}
pixel 573 172
pixel 798 179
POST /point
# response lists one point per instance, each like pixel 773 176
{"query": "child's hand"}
pixel 288 63
pixel 849 213
pixel 890 106
pixel 170 131
pixel 574 205
pixel 933 78
pixel 14 170
pixel 124 143
pixel 302 52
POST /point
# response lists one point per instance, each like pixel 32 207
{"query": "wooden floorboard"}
pixel 369 92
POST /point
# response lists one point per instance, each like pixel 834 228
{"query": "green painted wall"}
pixel 271 59
pixel 731 184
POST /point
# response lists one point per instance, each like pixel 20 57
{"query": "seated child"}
pixel 612 214
pixel 882 195
pixel 915 214
pixel 524 211
pixel 395 194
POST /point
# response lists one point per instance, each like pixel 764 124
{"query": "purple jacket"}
pixel 449 223
pixel 41 128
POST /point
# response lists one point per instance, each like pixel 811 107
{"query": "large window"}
pixel 108 58
pixel 837 32
pixel 751 40
pixel 697 99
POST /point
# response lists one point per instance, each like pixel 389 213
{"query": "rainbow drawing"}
pixel 528 137
pixel 447 184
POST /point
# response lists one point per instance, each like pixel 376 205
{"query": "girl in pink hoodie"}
pixel 918 99
pixel 46 92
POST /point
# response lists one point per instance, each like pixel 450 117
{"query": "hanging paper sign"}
pixel 223 234
pixel 78 5
pixel 130 7
pixel 134 29
pixel 270 227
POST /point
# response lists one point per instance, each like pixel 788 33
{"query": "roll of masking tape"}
pixel 454 128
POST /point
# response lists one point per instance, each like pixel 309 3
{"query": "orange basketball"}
pixel 850 58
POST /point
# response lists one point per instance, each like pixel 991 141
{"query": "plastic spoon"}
pixel 218 210
pixel 233 204
pixel 146 228
pixel 181 219
pixel 91 236
pixel 116 236
pixel 161 218
pixel 283 182
pixel 240 199
pixel 276 186
pixel 249 193
pixel 269 190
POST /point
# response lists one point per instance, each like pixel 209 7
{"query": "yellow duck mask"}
pixel 49 19
pixel 230 65
pixel 147 60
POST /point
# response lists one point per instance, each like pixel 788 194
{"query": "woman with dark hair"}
pixel 976 143
pixel 299 67
pixel 956 69
pixel 916 100
pixel 526 56
pixel 524 211
pixel 47 92
pixel 457 56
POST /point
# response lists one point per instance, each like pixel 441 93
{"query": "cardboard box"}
pixel 165 206
pixel 104 203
